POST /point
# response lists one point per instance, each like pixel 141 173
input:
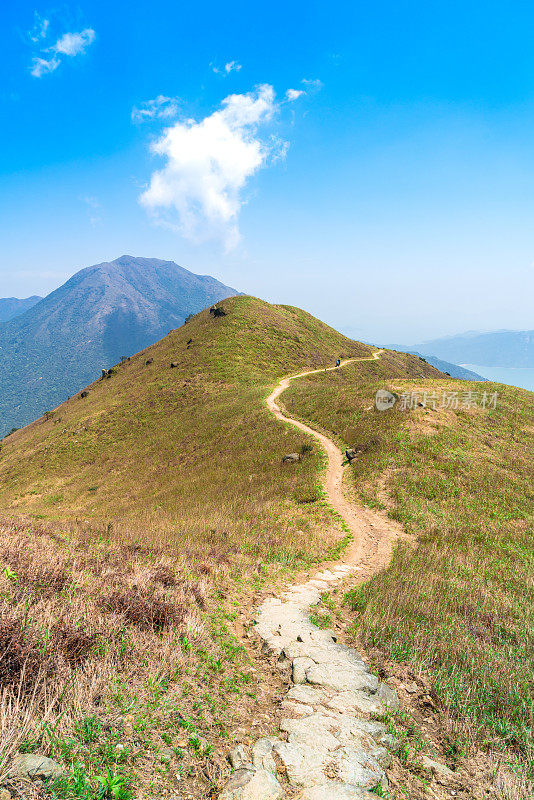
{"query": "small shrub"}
pixel 147 612
pixel 75 644
pixel 22 664
pixel 164 575
pixel 28 656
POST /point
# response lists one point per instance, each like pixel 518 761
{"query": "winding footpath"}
pixel 329 748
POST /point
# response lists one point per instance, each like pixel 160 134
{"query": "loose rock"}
pixel 291 458
pixel 167 755
pixel 248 785
pixel 262 755
pixel 35 767
pixel 239 759
pixel 436 767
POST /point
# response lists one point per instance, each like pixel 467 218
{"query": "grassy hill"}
pixel 103 312
pixel 458 607
pixel 138 521
pixel 153 440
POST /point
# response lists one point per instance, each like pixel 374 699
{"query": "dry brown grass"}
pixel 95 646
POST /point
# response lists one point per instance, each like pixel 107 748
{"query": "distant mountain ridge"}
pixel 455 371
pixel 11 307
pixel 103 312
pixel 492 349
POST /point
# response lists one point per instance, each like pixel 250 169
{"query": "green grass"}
pixel 459 605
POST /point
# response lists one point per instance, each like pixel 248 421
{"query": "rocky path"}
pixel 328 748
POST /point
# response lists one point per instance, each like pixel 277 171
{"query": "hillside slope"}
pixel 124 449
pixel 11 307
pixel 143 521
pixel 459 475
pixel 453 370
pixel 102 313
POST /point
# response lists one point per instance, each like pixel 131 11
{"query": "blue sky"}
pixel 393 198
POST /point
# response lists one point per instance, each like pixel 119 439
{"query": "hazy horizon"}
pixel 348 330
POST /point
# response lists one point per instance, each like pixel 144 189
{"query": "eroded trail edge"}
pixel 329 748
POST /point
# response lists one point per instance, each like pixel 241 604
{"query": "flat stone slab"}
pixel 356 702
pixel 307 766
pixel 311 695
pixel 341 678
pixel 296 709
pixel 335 791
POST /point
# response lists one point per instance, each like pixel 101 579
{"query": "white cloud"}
pixel 294 94
pixel 70 44
pixel 208 163
pixel 230 66
pixel 40 28
pixel 42 66
pixel 160 107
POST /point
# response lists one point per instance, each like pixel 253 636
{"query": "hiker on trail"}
pixel 338 362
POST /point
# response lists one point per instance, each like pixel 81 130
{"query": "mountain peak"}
pixel 11 307
pixel 103 312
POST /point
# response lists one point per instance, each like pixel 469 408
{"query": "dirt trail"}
pixel 374 533
pixel 328 747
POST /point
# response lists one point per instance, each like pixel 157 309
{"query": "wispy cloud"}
pixel 230 66
pixel 72 44
pixel 161 107
pixel 68 44
pixel 93 208
pixel 199 191
pixel 294 94
pixel 43 66
pixel 40 28
pixel 313 84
